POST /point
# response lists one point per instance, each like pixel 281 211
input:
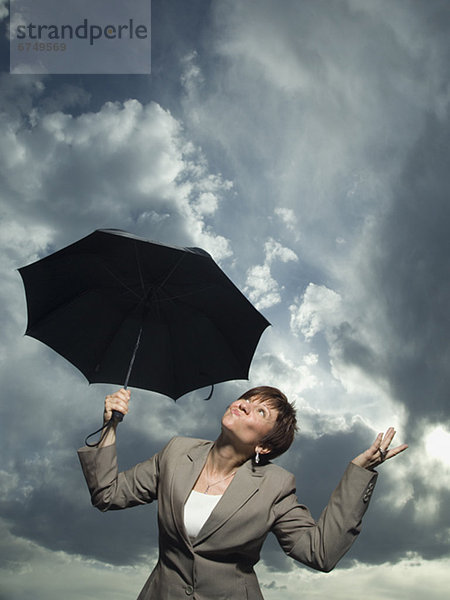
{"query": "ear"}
pixel 262 450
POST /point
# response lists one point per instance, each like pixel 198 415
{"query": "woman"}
pixel 217 501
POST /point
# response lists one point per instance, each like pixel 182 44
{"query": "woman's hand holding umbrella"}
pixel 119 402
pixel 379 451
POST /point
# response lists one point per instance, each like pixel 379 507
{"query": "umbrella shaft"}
pixel 130 367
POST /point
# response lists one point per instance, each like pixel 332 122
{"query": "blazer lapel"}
pixel 185 475
pixel 244 485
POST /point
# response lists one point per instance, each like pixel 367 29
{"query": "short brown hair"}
pixel 282 435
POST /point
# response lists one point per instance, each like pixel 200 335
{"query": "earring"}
pixel 257 457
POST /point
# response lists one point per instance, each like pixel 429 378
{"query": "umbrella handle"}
pixel 117 416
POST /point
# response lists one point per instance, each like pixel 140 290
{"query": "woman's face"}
pixel 249 420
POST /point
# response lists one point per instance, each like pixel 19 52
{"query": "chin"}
pixel 226 421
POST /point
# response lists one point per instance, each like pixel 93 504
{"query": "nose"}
pixel 244 406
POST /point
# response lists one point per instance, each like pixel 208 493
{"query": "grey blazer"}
pixel 218 563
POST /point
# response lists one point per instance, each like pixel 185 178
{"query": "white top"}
pixel 197 509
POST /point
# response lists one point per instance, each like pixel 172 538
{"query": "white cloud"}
pixel 410 579
pixel 191 77
pixel 310 359
pixel 274 250
pixel 437 444
pixel 355 351
pixel 4 9
pixel 46 575
pixel 34 571
pixel 287 216
pixel 130 160
pixel 319 310
pixel 262 288
pixel 294 377
pixel 429 457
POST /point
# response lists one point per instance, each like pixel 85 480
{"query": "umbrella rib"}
pixel 171 350
pixel 176 265
pixel 184 295
pixel 159 287
pixel 119 280
pixel 108 343
pixel 139 268
pixel 144 291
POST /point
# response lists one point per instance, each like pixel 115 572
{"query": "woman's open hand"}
pixel 117 401
pixel 379 451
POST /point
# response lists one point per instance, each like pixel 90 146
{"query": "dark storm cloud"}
pixel 56 513
pixel 411 273
pixel 177 29
pixel 389 532
pixel 339 90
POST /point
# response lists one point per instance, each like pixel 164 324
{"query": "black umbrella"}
pixel 128 311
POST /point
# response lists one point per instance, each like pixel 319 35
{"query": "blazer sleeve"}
pixel 322 544
pixel 111 490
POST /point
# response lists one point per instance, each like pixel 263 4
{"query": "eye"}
pixel 262 412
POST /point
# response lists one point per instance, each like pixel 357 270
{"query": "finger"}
pixel 388 436
pixel 120 405
pixel 123 394
pixel 377 442
pixel 374 448
pixel 117 401
pixel 394 451
pixel 378 450
pixel 386 441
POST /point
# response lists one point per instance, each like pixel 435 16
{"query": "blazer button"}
pixel 189 590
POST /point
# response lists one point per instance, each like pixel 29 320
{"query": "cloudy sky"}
pixel 305 144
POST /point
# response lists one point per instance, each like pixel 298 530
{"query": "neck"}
pixel 225 457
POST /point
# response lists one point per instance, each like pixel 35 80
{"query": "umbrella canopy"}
pixel 126 310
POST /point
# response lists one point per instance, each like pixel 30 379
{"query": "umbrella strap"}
pixel 210 393
pixel 104 429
